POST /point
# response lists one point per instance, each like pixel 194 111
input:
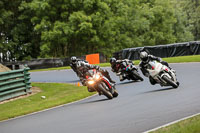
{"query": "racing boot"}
pixel 83 82
pixel 106 74
pixel 118 74
pixel 173 71
pixel 111 81
pixel 109 78
pixel 121 78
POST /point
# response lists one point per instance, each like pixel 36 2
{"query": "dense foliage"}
pixel 62 28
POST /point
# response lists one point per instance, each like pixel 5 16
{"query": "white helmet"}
pixel 73 59
pixel 144 57
pixel 78 64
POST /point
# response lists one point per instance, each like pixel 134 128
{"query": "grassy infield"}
pixel 55 93
pixel 59 93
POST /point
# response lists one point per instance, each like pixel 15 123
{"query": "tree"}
pixel 192 9
pixel 61 28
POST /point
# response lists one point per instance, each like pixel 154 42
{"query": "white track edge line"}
pixel 173 122
pixel 48 109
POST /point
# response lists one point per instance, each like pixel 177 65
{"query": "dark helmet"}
pixel 73 59
pixel 144 57
pixel 112 60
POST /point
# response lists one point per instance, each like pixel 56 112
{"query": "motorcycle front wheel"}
pixel 170 82
pixel 137 75
pixel 105 91
pixel 115 94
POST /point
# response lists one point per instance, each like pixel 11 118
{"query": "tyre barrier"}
pixel 169 50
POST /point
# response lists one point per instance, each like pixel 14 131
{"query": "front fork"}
pixel 170 75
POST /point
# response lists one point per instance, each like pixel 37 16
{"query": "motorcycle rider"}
pixel 145 57
pixel 117 66
pixel 73 65
pixel 81 67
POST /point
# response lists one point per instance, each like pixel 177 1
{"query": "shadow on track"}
pixel 162 89
pixel 128 82
pixel 96 101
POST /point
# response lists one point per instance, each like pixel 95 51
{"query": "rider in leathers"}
pixel 81 67
pixel 73 65
pixel 117 66
pixel 145 58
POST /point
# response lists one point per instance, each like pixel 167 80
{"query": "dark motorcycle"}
pixel 96 81
pixel 130 72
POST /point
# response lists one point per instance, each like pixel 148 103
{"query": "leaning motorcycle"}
pixel 162 74
pixel 130 72
pixel 96 81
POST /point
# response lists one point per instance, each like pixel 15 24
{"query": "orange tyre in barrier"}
pixel 93 58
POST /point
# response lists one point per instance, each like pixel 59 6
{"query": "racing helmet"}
pixel 144 57
pixel 112 60
pixel 79 64
pixel 73 59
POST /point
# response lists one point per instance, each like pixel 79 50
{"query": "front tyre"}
pixel 170 82
pixel 115 94
pixel 137 75
pixel 105 92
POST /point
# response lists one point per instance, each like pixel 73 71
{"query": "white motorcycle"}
pixel 162 74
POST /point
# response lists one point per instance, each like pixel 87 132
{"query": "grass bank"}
pixel 183 59
pixel 191 125
pixel 55 93
pixel 180 59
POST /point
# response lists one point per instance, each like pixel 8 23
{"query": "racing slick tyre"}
pixel 170 82
pixel 115 94
pixel 137 75
pixel 105 91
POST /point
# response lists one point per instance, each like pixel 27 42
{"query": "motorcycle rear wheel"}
pixel 170 82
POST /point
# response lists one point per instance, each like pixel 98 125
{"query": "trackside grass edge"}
pixel 55 93
pixel 191 125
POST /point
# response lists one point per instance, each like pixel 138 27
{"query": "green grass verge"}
pixel 180 59
pixel 191 125
pixel 56 94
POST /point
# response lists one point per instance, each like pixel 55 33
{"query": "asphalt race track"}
pixel 138 108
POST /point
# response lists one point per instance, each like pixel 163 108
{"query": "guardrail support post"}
pixel 27 78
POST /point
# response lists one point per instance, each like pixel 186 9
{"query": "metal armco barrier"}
pixel 14 83
pixel 47 63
